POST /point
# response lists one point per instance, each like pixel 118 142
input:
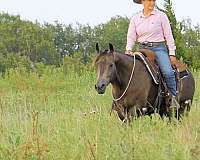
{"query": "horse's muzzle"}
pixel 100 87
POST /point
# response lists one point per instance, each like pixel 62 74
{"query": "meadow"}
pixel 59 116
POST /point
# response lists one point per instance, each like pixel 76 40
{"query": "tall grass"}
pixel 60 116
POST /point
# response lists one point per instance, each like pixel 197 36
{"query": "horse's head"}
pixel 105 68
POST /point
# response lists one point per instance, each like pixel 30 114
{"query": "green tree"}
pixel 114 31
pixel 176 29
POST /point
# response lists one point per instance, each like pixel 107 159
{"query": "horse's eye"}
pixel 111 65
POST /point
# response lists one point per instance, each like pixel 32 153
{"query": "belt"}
pixel 151 44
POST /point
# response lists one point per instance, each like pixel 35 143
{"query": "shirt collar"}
pixel 152 13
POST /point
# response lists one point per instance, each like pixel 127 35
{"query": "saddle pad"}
pixel 183 74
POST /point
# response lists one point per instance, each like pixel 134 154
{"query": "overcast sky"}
pixel 89 11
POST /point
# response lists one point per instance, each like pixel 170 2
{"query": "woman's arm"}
pixel 131 35
pixel 168 34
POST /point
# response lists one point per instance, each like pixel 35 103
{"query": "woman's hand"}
pixel 173 59
pixel 129 52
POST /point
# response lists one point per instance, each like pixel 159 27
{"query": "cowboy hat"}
pixel 138 1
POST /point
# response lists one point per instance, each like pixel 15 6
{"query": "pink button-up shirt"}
pixel 154 28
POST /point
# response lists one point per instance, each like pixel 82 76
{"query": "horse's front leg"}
pixel 119 109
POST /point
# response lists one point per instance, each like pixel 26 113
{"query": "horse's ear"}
pixel 111 48
pixel 97 48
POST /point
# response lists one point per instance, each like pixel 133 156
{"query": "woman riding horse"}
pixel 151 28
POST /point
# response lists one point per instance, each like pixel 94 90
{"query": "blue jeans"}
pixel 163 61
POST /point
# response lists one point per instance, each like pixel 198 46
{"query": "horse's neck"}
pixel 124 65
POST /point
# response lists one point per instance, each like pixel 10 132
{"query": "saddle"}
pixel 178 65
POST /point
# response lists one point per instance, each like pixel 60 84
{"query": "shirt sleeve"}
pixel 131 35
pixel 168 34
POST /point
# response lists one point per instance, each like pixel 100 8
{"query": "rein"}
pixel 133 69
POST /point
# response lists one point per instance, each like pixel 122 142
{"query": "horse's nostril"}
pixel 103 85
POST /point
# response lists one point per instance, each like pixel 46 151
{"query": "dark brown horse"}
pixel 133 89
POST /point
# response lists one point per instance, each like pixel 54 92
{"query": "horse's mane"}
pixel 122 55
pixel 127 57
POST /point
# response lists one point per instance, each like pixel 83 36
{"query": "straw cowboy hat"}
pixel 138 1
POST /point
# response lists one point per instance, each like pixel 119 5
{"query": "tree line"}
pixel 28 43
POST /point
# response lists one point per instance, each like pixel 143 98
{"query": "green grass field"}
pixel 61 117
